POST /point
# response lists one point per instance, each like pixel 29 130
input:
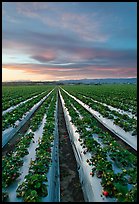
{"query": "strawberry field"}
pixel 101 123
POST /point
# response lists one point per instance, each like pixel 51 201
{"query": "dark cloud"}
pixel 43 59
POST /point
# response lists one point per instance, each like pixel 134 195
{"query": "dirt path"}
pixel 70 187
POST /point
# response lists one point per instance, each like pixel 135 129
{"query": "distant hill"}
pixel 101 81
pixel 81 81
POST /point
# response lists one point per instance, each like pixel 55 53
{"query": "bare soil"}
pixel 70 186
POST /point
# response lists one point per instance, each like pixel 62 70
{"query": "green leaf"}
pixel 37 185
pixel 121 188
pixel 33 193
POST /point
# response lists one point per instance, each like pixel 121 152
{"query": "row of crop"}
pixel 34 185
pixel 14 160
pixel 23 102
pixel 10 118
pixel 119 132
pixel 122 120
pixel 124 110
pixel 35 121
pixel 123 96
pixel 12 95
pixel 106 155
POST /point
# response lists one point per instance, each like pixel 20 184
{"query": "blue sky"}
pixel 71 40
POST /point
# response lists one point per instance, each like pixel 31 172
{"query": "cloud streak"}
pixel 80 24
pixel 86 72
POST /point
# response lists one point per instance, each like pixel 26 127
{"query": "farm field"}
pixel 100 135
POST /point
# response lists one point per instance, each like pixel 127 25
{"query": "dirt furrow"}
pixel 70 186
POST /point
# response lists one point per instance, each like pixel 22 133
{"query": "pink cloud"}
pixel 86 72
pixel 37 68
pixel 45 56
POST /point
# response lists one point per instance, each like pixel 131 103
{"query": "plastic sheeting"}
pixel 125 136
pixel 91 186
pixel 14 107
pixel 10 132
pixel 54 173
pixel 27 158
pixel 113 108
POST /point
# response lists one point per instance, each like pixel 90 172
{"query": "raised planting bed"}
pixel 119 132
pixel 99 148
pixel 127 123
pixel 39 114
pixel 26 163
pixel 9 119
pixel 35 184
pixel 13 95
pixel 111 108
pixel 14 107
pixel 121 96
pixel 22 148
pixel 12 162
pixel 10 132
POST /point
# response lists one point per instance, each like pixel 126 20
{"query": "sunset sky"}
pixel 59 41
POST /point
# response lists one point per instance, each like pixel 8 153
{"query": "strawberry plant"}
pixel 102 166
pixel 34 185
pixel 13 95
